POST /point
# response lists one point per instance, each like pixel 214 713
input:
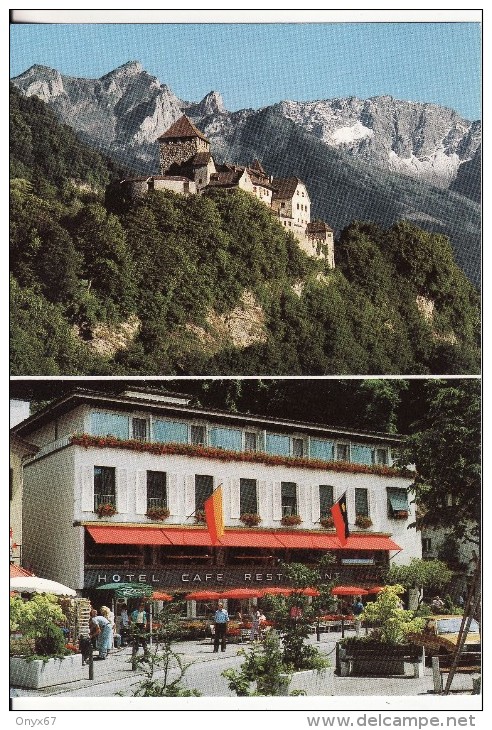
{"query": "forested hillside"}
pixel 212 284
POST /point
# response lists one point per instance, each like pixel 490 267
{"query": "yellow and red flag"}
pixel 214 515
pixel 339 514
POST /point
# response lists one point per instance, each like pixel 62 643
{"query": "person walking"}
pixel 139 629
pixel 357 610
pixel 221 619
pixel 101 630
pixel 255 625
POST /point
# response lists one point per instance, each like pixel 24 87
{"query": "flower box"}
pixel 199 517
pixel 107 509
pixel 290 520
pixel 327 523
pixel 37 673
pixel 157 513
pixel 363 521
pixel 400 514
pixel 250 519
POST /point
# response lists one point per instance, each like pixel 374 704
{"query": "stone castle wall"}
pixel 179 152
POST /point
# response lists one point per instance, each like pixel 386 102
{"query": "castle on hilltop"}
pixel 187 167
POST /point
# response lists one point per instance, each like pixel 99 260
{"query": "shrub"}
pixel 290 520
pixel 52 643
pixel 363 521
pixel 108 509
pixel 394 623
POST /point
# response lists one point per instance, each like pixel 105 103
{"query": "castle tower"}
pixel 180 143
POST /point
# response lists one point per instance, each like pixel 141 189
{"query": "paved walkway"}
pixel 115 676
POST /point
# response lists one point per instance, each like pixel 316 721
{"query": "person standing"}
pixel 255 625
pixel 101 629
pixel 357 610
pixel 139 629
pixel 221 619
pixel 124 624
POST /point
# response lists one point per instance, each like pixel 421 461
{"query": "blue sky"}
pixel 254 65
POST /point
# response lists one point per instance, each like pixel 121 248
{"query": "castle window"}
pixel 282 205
pixel 198 435
pixel 297 206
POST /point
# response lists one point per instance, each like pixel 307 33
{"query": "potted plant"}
pixel 200 516
pixel 250 519
pixel 40 658
pixel 290 520
pixel 106 509
pixel 363 521
pixel 157 513
pixel 382 651
pixel 327 522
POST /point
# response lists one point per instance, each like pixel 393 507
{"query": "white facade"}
pixel 60 482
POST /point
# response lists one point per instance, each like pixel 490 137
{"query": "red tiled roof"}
pixel 285 187
pixel 17 571
pixel 184 127
pixel 227 178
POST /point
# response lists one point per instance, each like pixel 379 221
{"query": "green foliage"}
pixel 261 671
pixel 394 622
pixel 446 448
pixel 420 574
pixel 37 619
pixel 176 262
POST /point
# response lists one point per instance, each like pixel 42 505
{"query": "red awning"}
pixel 370 542
pixel 117 535
pixel 128 535
pixel 251 538
pixel 188 537
pixel 16 571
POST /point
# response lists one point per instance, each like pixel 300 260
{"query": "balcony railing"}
pixel 100 499
pixel 156 502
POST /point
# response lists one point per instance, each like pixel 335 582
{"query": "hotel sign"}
pixel 192 578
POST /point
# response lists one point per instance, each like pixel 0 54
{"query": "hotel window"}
pixel 250 441
pixel 248 498
pixel 198 435
pixel 109 424
pixel 139 429
pixel 289 498
pixel 277 445
pixel 361 454
pixel 297 206
pixel 361 502
pixel 170 432
pixel 343 452
pixel 204 486
pixel 380 456
pixel 225 438
pixel 297 447
pixel 104 485
pixel 397 503
pixel 326 500
pixel 321 449
pixel 156 489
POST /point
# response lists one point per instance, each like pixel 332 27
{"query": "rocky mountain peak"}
pixel 130 68
pixel 212 103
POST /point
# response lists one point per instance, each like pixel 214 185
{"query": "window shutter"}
pixel 87 477
pixel 141 496
pixel 301 500
pixel 235 498
pixel 277 501
pixel 262 497
pixel 189 496
pixel 172 494
pixel 122 490
pixel 315 503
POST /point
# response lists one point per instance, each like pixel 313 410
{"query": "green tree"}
pixel 445 448
pixel 420 575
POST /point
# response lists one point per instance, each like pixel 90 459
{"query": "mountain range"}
pixel 379 159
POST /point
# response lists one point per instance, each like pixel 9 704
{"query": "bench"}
pixel 469 663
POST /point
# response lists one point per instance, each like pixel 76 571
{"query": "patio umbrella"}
pixel 33 584
pixel 160 596
pixel 127 590
pixel 242 593
pixel 376 589
pixel 348 591
pixel 203 596
pixel 306 591
pixel 276 591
